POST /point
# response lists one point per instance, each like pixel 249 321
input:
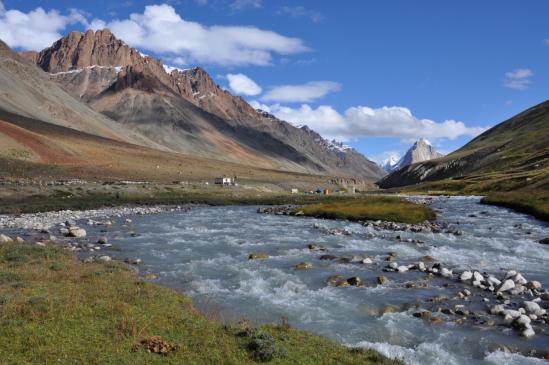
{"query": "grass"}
pixel 372 208
pixel 81 200
pixel 55 309
pixel 535 203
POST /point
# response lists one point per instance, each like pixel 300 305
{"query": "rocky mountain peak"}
pixel 84 49
pixel 421 150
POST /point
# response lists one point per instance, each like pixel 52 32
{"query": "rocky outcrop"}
pixel 186 111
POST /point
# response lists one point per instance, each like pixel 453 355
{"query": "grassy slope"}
pixel 54 309
pixel 535 203
pixel 512 155
pixel 372 208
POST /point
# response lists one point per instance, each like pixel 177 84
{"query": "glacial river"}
pixel 204 253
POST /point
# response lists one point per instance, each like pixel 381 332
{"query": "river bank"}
pixel 58 309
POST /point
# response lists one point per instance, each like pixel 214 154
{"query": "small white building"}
pixel 225 181
pixel 295 191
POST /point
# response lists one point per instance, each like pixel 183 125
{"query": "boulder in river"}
pixel 304 266
pixel 102 240
pixel 77 232
pixel 507 285
pixel 355 281
pixel 544 241
pixel 258 256
pixel 334 279
pixel 19 240
pixel 466 275
pixel 315 247
pixel 381 280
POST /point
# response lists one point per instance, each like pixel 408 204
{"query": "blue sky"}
pixel 376 74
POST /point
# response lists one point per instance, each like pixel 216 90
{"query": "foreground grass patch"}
pixel 535 203
pixel 372 208
pixel 102 313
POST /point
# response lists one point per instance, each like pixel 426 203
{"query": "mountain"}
pixel 420 151
pixel 389 163
pixel 185 110
pixel 511 155
pixel 46 134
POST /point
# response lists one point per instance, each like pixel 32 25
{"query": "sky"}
pixel 376 75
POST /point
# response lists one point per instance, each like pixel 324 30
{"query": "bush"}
pixel 264 347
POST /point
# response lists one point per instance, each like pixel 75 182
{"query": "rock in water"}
pixel 77 232
pixel 258 256
pixel 466 275
pixel 354 281
pixel 507 285
pixel 304 266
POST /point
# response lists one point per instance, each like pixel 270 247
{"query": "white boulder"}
pixel 506 285
pixel 466 275
pixel 77 232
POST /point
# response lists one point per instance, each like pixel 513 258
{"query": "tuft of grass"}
pixel 535 203
pixel 372 208
pixel 103 313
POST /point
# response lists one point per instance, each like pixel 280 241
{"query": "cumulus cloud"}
pixel 519 79
pixel 301 12
pixel 160 29
pixel 36 29
pixel 363 121
pixel 243 85
pixel 304 93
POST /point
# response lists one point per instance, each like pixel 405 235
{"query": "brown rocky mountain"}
pixel 185 110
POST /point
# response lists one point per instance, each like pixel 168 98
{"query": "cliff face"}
pixel 185 110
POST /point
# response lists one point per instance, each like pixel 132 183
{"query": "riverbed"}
pixel 204 253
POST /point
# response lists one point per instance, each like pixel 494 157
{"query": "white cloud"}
pixel 304 93
pixel 243 4
pixel 519 79
pixel 363 121
pixel 257 105
pixel 36 29
pixel 243 85
pixel 300 12
pixel 160 29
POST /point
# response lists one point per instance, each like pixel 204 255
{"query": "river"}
pixel 204 253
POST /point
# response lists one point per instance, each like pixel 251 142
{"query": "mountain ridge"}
pixel 508 156
pixel 185 110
